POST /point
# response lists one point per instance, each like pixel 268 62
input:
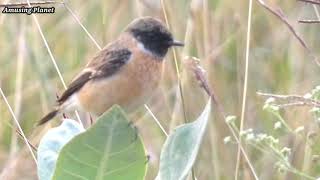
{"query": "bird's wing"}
pixel 105 64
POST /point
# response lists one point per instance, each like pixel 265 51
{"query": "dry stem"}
pixel 291 100
pixel 283 18
pixel 31 3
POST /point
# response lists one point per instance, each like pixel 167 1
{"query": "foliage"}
pixel 51 145
pixel 181 148
pixel 110 149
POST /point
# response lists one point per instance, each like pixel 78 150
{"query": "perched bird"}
pixel 126 71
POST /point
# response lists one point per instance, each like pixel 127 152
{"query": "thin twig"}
pixel 31 3
pixel 308 21
pixel 292 104
pixel 312 21
pixel 316 11
pixel 178 76
pixel 245 87
pixel 47 47
pixel 21 51
pixel 30 144
pixel 82 26
pixel 193 64
pixel 18 126
pixel 157 121
pixel 176 63
pixel 51 56
pixel 292 100
pixel 283 18
pixel 20 135
pixel 311 1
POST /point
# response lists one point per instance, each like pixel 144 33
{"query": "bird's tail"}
pixel 48 117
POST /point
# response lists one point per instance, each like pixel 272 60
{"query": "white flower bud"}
pixel 227 140
pixel 277 125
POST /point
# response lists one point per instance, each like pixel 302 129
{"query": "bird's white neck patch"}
pixel 143 49
pixel 147 51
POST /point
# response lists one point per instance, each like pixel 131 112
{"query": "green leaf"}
pixel 181 148
pixel 110 150
pixel 51 144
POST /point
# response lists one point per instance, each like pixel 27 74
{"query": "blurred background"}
pixel 215 32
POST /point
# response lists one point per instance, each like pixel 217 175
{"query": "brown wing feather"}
pixel 75 86
pixel 105 64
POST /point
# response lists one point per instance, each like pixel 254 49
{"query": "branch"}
pixel 193 64
pixel 31 3
pixel 292 104
pixel 31 145
pixel 309 21
pixel 282 17
pixel 317 2
pixel 292 100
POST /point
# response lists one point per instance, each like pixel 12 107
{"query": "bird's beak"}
pixel 177 43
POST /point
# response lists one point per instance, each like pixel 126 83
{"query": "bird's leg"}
pixel 91 120
pixel 148 157
pixel 63 114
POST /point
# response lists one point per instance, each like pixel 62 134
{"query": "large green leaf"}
pixel 181 148
pixel 110 150
pixel 51 144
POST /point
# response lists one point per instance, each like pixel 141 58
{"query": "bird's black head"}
pixel 153 35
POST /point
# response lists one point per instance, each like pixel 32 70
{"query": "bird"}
pixel 125 72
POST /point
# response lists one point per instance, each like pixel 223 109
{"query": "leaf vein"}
pixel 119 169
pixel 70 155
pixel 74 174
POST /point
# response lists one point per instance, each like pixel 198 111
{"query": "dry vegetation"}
pixel 215 31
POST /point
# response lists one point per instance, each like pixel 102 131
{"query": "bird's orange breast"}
pixel 130 87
